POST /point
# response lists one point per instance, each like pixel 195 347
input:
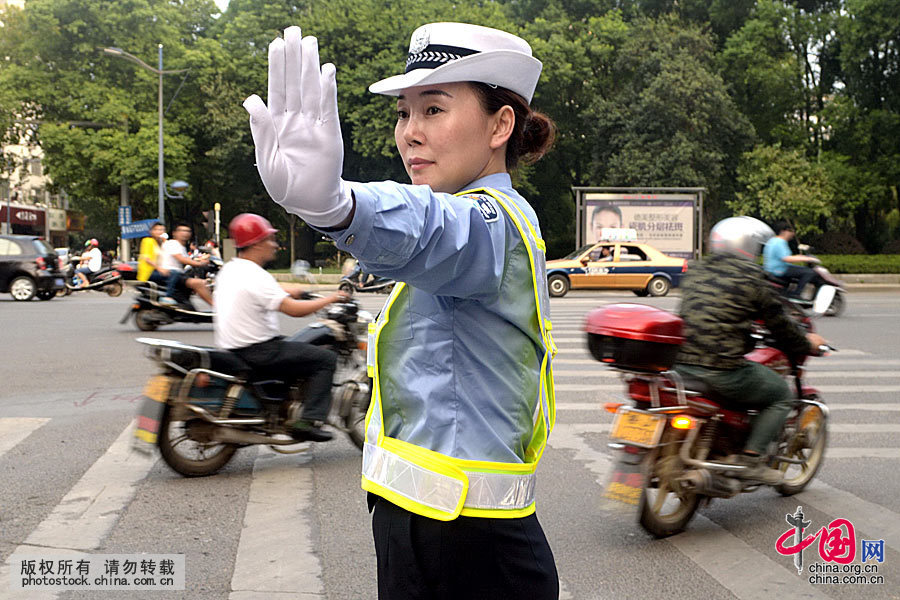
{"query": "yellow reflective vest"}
pixel 438 485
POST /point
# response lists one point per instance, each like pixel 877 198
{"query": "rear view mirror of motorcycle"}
pixel 823 299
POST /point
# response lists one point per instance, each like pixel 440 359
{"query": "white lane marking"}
pixel 746 572
pixel 14 430
pixel 576 361
pixel 824 389
pixel 889 453
pixel 731 561
pixel 868 517
pixel 818 366
pixel 275 555
pixel 728 559
pixel 872 406
pixel 864 428
pixel 611 374
pixel 568 436
pixel 600 374
pixel 85 516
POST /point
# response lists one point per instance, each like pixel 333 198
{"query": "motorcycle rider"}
pixel 781 262
pixel 721 298
pixel 149 267
pixel 248 300
pixel 174 259
pixel 89 262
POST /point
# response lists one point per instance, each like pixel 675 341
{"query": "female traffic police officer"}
pixel 463 395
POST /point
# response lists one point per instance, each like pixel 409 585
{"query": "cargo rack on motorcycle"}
pixel 193 361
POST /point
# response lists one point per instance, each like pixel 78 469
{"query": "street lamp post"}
pixel 160 72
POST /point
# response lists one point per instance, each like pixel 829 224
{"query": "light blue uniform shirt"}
pixel 463 365
pixel 773 256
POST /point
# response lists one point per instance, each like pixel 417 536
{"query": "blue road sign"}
pixel 137 229
pixel 124 215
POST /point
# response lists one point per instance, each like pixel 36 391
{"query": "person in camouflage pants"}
pixel 720 299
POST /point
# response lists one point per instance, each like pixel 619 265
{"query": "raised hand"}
pixel 299 152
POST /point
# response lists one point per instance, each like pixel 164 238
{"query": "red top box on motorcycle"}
pixel 634 336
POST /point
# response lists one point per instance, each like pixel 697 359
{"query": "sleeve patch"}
pixel 485 206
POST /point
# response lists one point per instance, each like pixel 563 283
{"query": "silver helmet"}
pixel 741 236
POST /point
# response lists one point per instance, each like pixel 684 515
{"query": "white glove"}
pixel 299 151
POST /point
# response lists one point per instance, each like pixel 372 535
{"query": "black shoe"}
pixel 307 431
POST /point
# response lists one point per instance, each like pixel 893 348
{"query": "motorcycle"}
pixel 149 313
pixel 671 441
pixel 357 281
pixel 823 278
pixel 206 403
pixel 107 279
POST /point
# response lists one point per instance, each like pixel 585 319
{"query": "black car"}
pixel 29 267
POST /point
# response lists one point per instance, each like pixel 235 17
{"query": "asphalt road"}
pixel 296 526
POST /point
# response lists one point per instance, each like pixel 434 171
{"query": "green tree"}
pixel 668 119
pixel 782 184
pixel 97 114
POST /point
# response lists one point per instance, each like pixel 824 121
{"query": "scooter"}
pixel 673 439
pixel 205 403
pixel 149 313
pixel 357 281
pixel 823 279
pixel 107 280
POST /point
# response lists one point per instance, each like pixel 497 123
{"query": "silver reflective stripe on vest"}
pixel 500 490
pixel 504 491
pixel 410 480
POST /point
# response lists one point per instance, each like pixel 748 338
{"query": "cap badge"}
pixel 419 41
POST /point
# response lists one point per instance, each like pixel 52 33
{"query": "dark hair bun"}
pixel 538 135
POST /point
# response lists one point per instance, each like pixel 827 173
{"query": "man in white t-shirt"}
pixel 89 262
pixel 173 258
pixel 248 300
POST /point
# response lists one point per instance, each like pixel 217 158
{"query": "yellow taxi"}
pixel 615 265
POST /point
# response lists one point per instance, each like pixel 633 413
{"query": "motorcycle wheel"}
pixel 115 290
pixel 46 295
pixel 65 291
pixel 144 320
pixel 663 508
pixel 805 438
pixel 347 288
pixel 837 306
pixel 355 421
pixel 188 456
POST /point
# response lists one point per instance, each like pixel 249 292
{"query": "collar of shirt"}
pixel 494 180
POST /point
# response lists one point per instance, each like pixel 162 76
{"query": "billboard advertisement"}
pixel 665 221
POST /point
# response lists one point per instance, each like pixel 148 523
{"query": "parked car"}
pixel 611 265
pixel 29 267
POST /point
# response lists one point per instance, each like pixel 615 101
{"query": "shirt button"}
pixel 350 239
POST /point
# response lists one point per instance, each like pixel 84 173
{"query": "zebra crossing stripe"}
pixel 86 515
pixel 737 566
pixel 88 512
pixel 824 389
pixel 275 557
pixel 14 430
pixel 870 406
pixel 605 373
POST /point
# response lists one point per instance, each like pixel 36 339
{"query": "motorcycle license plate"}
pixel 637 427
pixel 158 388
pixel 58 282
pixel 155 395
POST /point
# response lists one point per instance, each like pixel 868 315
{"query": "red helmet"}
pixel 91 243
pixel 247 229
